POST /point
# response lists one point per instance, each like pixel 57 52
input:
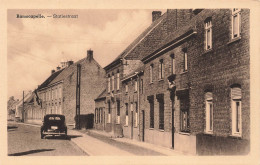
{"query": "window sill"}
pixel 234 40
pixel 135 126
pixel 150 83
pixel 184 133
pixel 207 51
pixel 184 72
pixel 125 125
pixel 161 130
pixel 161 80
pixel 151 128
pixel 208 133
pixel 236 136
pixel 135 91
pixel 117 123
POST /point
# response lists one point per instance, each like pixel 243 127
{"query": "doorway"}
pixel 132 124
pixel 143 125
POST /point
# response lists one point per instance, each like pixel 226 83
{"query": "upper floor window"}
pixel 209 113
pixel 135 85
pixel 185 61
pixel 113 82
pixel 172 64
pixel 236 111
pixel 161 69
pixel 236 22
pixel 117 81
pixel 208 34
pixel 126 88
pixel 108 84
pixel 141 86
pixel 151 73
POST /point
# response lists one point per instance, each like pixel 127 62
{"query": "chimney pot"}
pixel 52 71
pixel 70 62
pixel 156 15
pixel 90 54
pixel 58 68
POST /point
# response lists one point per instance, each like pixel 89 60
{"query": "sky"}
pixel 36 46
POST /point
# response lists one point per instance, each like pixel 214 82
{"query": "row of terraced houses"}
pixel 183 84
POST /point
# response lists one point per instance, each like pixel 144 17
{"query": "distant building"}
pixel 58 92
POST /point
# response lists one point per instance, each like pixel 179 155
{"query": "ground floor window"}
pixel 109 113
pixel 136 114
pixel 118 112
pixel 126 114
pixel 151 102
pixel 184 116
pixel 209 113
pixel 236 96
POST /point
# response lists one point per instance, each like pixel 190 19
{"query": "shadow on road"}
pixel 29 152
pixel 68 137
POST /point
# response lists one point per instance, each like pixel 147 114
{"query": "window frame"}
pixel 126 114
pixel 161 70
pixel 234 112
pixel 173 71
pixel 151 102
pixel 118 81
pixel 236 12
pixel 118 111
pixel 209 113
pixel 151 73
pixel 136 114
pixel 113 83
pixel 208 29
pixel 108 85
pixel 185 61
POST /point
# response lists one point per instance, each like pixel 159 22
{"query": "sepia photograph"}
pixel 163 82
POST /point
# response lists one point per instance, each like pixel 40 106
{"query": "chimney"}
pixel 52 71
pixel 156 15
pixel 70 62
pixel 58 68
pixel 90 54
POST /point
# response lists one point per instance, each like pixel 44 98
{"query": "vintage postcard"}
pixel 105 83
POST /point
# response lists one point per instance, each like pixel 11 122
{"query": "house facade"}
pixel 72 88
pixel 192 91
pixel 197 85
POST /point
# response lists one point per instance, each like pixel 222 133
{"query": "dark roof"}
pixel 136 41
pixel 49 79
pixel 101 96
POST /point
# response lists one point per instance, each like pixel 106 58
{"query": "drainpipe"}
pixel 138 101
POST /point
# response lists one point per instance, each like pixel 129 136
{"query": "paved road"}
pixel 24 140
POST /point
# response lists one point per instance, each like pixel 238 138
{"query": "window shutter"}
pixel 236 93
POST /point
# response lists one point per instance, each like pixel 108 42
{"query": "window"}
pixel 236 111
pixel 208 34
pixel 151 73
pixel 118 111
pixel 117 81
pixel 185 61
pixel 136 114
pixel 209 113
pixel 151 102
pixel 109 113
pixel 108 84
pixel 96 115
pixel 184 106
pixel 126 114
pixel 113 82
pixel 100 115
pixel 161 113
pixel 236 23
pixel 161 69
pixel 172 64
pixel 126 88
pixel 135 85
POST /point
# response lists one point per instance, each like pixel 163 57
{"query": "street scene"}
pixel 170 82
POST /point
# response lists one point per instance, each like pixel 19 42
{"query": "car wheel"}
pixel 42 136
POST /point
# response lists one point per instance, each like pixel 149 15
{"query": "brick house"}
pixel 58 93
pixel 127 62
pixel 196 85
pixel 99 116
pixel 132 100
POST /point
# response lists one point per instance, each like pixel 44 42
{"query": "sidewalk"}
pixel 160 149
pixel 95 147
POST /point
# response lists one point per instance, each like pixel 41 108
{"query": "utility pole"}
pixel 23 108
pixel 78 97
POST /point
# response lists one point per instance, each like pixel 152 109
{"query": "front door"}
pixel 132 124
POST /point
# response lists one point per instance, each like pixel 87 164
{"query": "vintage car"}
pixel 53 124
